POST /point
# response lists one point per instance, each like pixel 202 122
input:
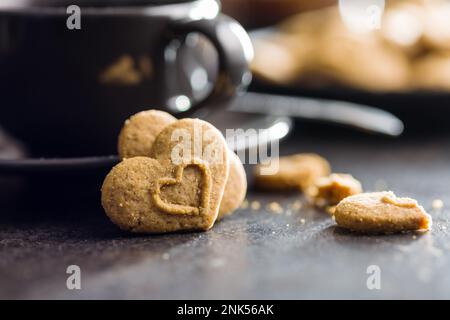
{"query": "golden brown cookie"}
pixel 403 26
pixel 381 212
pixel 235 189
pixel 317 49
pixel 432 72
pixel 179 189
pixel 436 25
pixel 283 58
pixel 329 191
pixel 139 132
pixel 359 60
pixel 297 171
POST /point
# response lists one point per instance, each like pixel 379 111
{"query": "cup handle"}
pixel 234 50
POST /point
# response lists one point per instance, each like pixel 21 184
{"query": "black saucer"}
pixel 52 165
pixel 13 160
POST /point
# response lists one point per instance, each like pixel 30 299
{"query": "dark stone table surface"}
pixel 255 254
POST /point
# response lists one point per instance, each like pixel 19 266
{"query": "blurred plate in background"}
pixel 404 67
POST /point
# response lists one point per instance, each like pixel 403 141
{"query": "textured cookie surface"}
pixel 204 142
pixel 235 189
pixel 178 189
pixel 297 171
pixel 126 195
pixel 139 132
pixel 381 212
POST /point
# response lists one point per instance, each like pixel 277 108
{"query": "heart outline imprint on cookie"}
pixel 173 208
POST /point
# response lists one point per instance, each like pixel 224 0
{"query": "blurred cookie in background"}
pixel 282 59
pixel 359 60
pixel 432 72
pixel 418 24
pixel 315 49
pixel 437 24
pixel 402 26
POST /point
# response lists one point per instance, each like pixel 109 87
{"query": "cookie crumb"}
pixel 296 205
pixel 255 205
pixel 275 207
pixel 437 204
pixel 166 256
pixel 244 204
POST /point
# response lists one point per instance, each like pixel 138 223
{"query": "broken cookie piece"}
pixel 298 171
pixel 330 190
pixel 381 212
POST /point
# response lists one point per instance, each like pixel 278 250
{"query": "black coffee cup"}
pixel 65 89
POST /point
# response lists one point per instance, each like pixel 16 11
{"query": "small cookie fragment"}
pixel 381 212
pixel 329 191
pixel 255 205
pixel 295 206
pixel 235 189
pixel 298 171
pixel 139 132
pixel 437 204
pixel 275 207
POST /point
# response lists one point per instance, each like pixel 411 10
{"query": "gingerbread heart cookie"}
pixel 178 189
pixel 138 135
pixel 235 189
pixel 139 132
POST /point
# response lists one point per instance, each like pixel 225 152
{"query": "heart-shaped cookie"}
pixel 190 156
pixel 235 189
pixel 139 132
pixel 138 135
